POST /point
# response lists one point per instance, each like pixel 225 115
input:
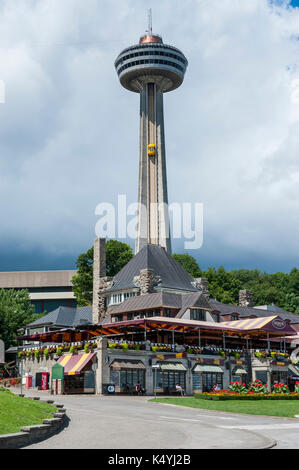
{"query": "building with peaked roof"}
pixel 236 312
pixel 60 318
pixel 154 324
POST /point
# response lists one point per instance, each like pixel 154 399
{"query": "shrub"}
pixel 73 349
pixel 280 388
pixel 154 348
pixel 88 347
pixel 258 387
pixel 125 346
pixel 59 351
pixel 247 396
pixel 237 387
pixel 36 353
pixel 111 345
pixel 46 353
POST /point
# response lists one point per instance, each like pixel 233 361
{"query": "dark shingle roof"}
pixel 154 257
pixel 65 316
pixel 225 309
pixel 161 299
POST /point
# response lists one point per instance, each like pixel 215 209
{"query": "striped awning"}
pixel 239 371
pixel 74 363
pixel 206 368
pixel 294 370
pixel 174 366
pixel 126 364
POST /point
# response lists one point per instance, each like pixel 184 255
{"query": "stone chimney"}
pixel 100 281
pixel 245 298
pixel 203 284
pixel 146 280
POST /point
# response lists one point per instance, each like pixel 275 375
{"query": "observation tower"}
pixel 152 68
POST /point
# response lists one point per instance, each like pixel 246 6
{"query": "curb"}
pixel 36 433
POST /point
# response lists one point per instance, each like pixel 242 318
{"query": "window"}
pixel 197 314
pixel 167 312
pixel 116 318
pixel 235 317
pixel 129 316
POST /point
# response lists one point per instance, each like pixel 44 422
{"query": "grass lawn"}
pixel 16 412
pixel 282 408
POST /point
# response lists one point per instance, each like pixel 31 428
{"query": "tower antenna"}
pixel 150 26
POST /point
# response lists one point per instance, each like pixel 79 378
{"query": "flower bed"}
pixel 47 352
pixel 255 391
pixel 9 381
pixel 224 395
pixel 126 346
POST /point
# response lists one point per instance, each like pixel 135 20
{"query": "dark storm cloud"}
pixel 69 132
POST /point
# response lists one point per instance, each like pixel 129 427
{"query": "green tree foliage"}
pixel 118 254
pixel 281 289
pixel 189 264
pixel 16 311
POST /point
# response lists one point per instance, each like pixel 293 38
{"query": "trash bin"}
pixel 28 381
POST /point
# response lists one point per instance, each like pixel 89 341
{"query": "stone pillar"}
pixel 245 298
pixel 203 284
pixel 99 279
pixel 189 384
pixel 102 372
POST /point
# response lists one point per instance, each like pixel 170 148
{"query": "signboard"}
pixel 44 381
pixel 169 356
pixel 278 324
pixel 57 372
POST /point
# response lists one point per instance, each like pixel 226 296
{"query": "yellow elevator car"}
pixel 151 149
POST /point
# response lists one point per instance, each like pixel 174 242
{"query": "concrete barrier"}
pixel 31 434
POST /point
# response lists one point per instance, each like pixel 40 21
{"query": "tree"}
pixel 189 264
pixel 16 311
pixel 118 254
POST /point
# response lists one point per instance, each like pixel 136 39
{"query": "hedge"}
pixel 245 396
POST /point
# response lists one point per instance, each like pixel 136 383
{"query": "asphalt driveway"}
pixel 120 422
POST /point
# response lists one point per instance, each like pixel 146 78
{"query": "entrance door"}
pixel 209 379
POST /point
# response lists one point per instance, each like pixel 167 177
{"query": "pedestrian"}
pixel 180 389
pixel 139 388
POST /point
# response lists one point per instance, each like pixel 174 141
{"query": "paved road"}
pixel 117 422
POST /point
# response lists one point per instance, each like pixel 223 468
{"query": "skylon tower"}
pixel 152 68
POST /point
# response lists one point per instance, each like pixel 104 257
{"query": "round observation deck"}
pixel 151 61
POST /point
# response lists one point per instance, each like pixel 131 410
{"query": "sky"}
pixel 69 133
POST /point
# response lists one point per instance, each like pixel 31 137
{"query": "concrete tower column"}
pixel 153 218
pixel 151 69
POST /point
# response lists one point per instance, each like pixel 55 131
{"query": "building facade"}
pixel 48 290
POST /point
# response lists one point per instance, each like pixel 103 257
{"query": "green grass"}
pixel 16 412
pixel 281 408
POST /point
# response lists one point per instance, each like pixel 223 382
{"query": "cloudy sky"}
pixel 69 132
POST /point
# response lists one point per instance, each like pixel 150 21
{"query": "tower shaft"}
pixel 153 217
pixel 151 69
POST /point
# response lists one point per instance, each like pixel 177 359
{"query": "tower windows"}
pixel 150 61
